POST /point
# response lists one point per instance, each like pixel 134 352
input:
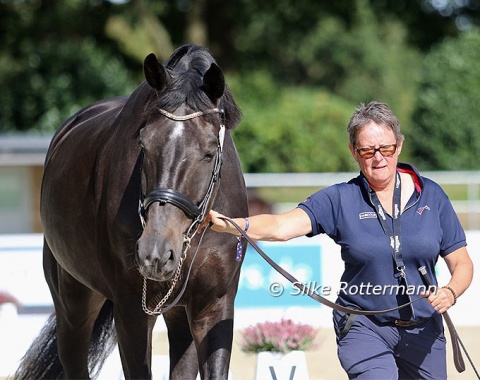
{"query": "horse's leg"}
pixel 212 329
pixel 183 353
pixel 134 333
pixel 76 308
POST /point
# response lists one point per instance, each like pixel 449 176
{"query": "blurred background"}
pixel 297 69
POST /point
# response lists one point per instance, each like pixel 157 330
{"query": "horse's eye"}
pixel 209 157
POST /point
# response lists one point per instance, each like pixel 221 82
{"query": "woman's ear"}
pixel 352 150
pixel 399 147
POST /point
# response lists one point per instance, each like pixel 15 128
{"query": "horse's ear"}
pixel 154 72
pixel 214 83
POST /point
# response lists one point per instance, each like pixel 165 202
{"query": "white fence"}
pixel 471 179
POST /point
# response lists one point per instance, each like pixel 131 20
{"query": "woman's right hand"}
pixel 216 223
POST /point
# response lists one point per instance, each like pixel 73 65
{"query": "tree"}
pixel 446 133
pixel 290 129
pixel 55 59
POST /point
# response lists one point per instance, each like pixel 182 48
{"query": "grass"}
pixel 298 194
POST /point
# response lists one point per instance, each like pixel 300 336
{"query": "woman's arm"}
pixel 461 268
pixel 268 227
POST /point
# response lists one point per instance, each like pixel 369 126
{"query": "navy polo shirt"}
pixel 429 226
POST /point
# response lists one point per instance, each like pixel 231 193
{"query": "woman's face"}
pixel 380 169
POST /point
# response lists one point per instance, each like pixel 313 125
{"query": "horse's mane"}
pixel 186 66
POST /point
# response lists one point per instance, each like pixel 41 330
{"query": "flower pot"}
pixel 279 366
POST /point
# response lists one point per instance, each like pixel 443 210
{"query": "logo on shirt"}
pixel 367 215
pixel 422 209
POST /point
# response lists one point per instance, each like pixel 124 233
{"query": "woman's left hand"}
pixel 441 299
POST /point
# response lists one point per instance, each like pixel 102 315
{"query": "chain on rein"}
pixel 194 212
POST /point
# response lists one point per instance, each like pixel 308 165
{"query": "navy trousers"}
pixel 376 351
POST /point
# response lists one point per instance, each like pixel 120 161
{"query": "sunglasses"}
pixel 385 151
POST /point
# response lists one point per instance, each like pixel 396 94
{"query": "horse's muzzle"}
pixel 156 261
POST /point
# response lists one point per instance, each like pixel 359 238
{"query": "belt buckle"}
pixel 402 323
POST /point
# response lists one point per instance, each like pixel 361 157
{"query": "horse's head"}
pixel 182 151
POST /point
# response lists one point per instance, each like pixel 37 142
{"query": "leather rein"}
pixel 456 342
pixel 305 290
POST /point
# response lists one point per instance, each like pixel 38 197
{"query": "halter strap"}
pixel 221 133
pixel 190 115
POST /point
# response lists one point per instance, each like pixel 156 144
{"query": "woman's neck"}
pixel 385 187
pixel 385 193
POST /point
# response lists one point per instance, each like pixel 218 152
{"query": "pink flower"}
pixel 6 297
pixel 283 336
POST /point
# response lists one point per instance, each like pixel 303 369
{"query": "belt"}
pixel 402 323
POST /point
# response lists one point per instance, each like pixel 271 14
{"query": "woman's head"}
pixel 379 113
pixel 375 143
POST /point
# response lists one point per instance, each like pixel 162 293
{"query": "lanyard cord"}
pixel 393 231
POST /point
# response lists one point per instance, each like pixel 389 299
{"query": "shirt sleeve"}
pixel 321 207
pixel 453 234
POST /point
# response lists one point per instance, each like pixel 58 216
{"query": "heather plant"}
pixel 283 336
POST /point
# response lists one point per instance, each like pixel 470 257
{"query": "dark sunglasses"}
pixel 385 151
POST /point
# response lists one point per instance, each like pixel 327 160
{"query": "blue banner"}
pixel 263 287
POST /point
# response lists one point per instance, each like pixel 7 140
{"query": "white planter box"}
pixel 278 366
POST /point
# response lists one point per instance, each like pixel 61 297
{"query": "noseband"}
pixel 193 211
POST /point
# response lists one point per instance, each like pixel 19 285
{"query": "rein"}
pixel 456 342
pixel 195 212
pixel 306 290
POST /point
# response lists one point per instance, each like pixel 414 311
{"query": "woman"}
pixel 389 222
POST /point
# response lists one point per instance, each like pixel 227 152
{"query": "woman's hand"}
pixel 441 299
pixel 216 223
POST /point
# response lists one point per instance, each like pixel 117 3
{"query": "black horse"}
pixel 127 182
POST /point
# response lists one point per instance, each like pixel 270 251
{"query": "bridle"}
pixel 193 211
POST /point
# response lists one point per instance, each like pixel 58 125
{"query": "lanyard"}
pixel 393 231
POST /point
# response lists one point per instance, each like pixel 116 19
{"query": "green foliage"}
pixel 54 81
pixel 362 58
pixel 54 60
pixel 301 67
pixel 290 129
pixel 447 121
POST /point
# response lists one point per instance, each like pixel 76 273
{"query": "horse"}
pixel 127 182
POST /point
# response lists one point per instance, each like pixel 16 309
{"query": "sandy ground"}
pixel 323 364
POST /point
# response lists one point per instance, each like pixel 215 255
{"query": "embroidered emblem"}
pixel 367 215
pixel 422 209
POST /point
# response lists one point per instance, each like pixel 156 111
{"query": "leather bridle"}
pixel 191 210
pixel 174 197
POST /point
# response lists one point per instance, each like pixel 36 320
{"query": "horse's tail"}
pixel 42 362
pixel 104 339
